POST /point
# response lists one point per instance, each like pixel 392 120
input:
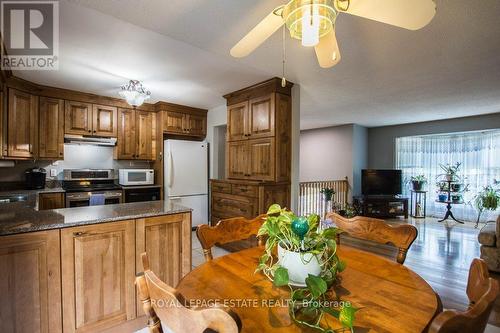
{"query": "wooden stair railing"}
pixel 310 198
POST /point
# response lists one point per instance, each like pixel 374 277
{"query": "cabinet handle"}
pixel 243 190
pixel 90 131
pixel 79 234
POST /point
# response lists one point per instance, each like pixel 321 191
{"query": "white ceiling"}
pixel 180 50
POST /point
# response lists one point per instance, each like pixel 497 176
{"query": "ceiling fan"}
pixel 313 22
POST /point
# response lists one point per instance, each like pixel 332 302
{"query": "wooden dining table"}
pixel 390 297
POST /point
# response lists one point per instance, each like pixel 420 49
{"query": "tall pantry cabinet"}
pixel 258 152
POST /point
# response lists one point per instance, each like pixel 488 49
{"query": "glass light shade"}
pixel 309 20
pixel 310 25
pixel 134 93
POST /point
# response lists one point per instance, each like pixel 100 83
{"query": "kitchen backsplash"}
pixel 75 157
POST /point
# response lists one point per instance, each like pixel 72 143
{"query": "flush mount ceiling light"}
pixel 313 22
pixel 134 93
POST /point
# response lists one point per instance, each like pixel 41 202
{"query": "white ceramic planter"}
pixel 299 266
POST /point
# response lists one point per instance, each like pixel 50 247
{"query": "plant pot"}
pixel 450 177
pixel 442 197
pixel 456 198
pixel 417 186
pixel 299 265
pixel 456 187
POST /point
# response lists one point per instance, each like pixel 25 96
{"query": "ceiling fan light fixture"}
pixel 309 20
pixel 134 93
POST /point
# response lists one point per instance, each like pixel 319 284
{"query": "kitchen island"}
pixel 73 269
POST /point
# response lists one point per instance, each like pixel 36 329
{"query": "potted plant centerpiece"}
pixel 418 182
pixel 327 205
pixel 306 258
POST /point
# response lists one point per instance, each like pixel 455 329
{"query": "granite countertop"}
pixel 21 217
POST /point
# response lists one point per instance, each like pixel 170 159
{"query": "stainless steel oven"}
pixel 82 199
pixel 90 187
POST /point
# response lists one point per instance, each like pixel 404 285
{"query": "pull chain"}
pixel 283 80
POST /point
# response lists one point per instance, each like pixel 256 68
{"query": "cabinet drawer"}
pixel 245 190
pixel 232 207
pixel 221 187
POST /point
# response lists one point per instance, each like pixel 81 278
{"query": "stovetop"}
pixel 89 186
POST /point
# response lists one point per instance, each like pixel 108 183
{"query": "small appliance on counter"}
pixel 131 177
pixel 141 193
pixel 35 178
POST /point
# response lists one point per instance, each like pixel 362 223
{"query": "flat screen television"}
pixel 381 182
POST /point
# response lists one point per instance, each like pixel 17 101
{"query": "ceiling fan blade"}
pixel 257 35
pixel 327 50
pixel 408 14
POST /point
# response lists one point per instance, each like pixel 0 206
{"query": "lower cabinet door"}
pixel 98 266
pixel 167 242
pixel 30 282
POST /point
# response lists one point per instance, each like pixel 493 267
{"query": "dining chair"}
pixel 482 292
pixel 164 306
pixel 376 230
pixel 227 231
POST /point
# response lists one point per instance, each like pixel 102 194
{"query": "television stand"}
pixel 382 206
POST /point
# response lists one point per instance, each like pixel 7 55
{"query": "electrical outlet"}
pixel 53 172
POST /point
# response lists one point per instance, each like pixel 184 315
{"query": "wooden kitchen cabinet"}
pixel 259 129
pixel 234 198
pixel 30 282
pixel 167 242
pixel 98 266
pixel 51 201
pixel 77 118
pixel 145 135
pixel 136 135
pixel 237 121
pixel 174 123
pixel 51 128
pixel 182 121
pixel 104 120
pixel 22 126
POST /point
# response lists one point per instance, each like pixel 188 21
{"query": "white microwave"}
pixel 129 177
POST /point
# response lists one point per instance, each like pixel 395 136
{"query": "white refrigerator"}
pixel 186 176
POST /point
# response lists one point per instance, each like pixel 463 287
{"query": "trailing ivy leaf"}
pixel 331 233
pixel 281 277
pixel 341 266
pixel 274 209
pixel 298 294
pixel 317 286
pixel 346 316
pixel 332 312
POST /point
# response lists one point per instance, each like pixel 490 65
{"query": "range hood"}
pixel 89 140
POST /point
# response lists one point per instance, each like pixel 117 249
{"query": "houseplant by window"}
pixel 487 199
pixel 327 194
pixel 418 182
pixel 307 258
pixel 451 171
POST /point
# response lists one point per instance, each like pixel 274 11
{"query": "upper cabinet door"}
pixel 145 134
pixel 78 118
pixel 174 123
pixel 22 124
pixel 262 159
pixel 51 131
pixel 261 117
pixel 197 125
pixel 126 143
pixel 237 121
pixel 104 120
